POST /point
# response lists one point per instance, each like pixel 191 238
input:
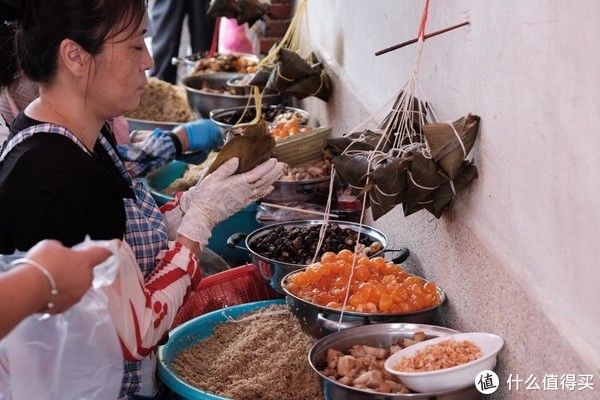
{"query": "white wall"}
pixel 530 69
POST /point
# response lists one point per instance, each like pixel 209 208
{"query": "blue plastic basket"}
pixel 242 221
pixel 190 333
pixel 160 179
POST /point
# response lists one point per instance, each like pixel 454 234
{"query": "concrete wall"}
pixel 518 255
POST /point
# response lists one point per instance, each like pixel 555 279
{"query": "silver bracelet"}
pixel 43 270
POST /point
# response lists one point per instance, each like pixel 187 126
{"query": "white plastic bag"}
pixel 74 355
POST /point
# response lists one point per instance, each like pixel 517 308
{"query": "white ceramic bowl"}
pixel 460 376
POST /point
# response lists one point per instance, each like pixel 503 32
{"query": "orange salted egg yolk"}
pixel 377 286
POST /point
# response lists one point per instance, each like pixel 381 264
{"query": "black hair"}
pixel 9 68
pixel 32 31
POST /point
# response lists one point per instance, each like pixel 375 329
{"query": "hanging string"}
pixel 290 40
pixel 462 145
pixel 327 215
pixel 400 124
pixel 423 23
pixel 257 95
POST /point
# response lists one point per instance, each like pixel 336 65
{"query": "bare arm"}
pixel 25 290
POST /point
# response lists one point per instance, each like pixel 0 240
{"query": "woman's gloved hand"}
pixel 221 194
pixel 199 135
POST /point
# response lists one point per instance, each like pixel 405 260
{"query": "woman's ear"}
pixel 74 57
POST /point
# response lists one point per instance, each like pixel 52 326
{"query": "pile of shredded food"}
pixel 446 354
pixel 191 176
pixel 260 356
pixel 162 102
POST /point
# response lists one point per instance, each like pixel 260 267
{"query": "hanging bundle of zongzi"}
pixel 407 161
pixel 292 67
pixel 299 77
pixel 404 159
pixel 389 146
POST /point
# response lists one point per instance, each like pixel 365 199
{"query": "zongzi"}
pixel 298 77
pixel 318 85
pixel 451 142
pixel 365 140
pixel 243 11
pixel 261 76
pixel 443 196
pixel 223 8
pixel 422 179
pixel 388 185
pixel 252 148
pixel 407 121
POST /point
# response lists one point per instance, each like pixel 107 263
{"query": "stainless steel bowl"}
pixel 217 115
pixel 319 321
pixel 314 191
pixel 377 335
pixel 240 83
pixel 147 125
pixel 188 62
pixel 204 102
pixel 273 271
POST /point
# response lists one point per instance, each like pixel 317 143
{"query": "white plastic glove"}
pixel 221 194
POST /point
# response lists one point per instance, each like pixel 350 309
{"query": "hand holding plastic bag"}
pixel 73 355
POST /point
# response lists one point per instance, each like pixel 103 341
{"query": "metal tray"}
pixel 204 102
pixel 147 125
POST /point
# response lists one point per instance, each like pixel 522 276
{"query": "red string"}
pixel 215 38
pixel 423 23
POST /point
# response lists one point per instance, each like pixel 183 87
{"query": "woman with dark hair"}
pixel 189 142
pixel 61 176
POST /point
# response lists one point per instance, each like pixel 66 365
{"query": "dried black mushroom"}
pixel 297 245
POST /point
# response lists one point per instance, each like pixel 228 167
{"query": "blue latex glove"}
pixel 203 135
